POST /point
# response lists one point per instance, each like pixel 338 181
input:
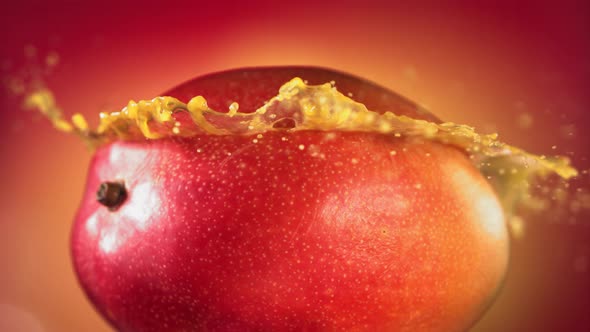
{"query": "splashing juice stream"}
pixel 299 106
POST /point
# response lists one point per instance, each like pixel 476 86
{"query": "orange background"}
pixel 484 65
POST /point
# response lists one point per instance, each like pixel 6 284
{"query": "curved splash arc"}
pixel 308 107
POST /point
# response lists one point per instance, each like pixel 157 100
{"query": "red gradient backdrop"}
pixel 489 66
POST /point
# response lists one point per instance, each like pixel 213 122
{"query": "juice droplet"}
pixel 233 109
pixel 52 59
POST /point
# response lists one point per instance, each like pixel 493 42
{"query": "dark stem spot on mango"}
pixel 111 194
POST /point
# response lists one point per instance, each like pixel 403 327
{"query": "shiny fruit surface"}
pixel 288 230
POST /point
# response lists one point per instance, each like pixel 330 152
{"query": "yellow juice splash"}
pixel 514 172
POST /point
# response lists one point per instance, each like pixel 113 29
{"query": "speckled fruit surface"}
pixel 289 231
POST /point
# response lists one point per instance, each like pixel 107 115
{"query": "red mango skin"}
pixel 298 231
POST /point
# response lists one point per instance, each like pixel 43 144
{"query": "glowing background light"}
pixel 520 69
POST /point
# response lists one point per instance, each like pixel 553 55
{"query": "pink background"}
pixel 484 65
